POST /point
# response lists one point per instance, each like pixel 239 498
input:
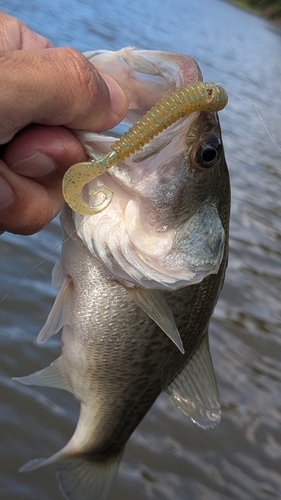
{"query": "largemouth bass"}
pixel 139 279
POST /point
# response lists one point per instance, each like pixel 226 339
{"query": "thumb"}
pixel 56 86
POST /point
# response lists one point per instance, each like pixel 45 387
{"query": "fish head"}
pixel 167 224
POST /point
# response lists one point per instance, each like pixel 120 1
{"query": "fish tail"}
pixel 82 479
pixel 37 463
pixel 79 478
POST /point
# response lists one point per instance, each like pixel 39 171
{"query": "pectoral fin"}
pixel 52 376
pixel 195 390
pixel 156 306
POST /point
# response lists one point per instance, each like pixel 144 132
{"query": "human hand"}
pixel 43 92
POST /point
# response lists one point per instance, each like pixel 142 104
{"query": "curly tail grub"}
pixel 191 98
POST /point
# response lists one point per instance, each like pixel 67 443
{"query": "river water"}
pixel 168 458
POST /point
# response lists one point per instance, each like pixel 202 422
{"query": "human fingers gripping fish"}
pixel 140 278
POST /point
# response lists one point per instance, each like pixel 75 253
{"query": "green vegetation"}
pixel 271 9
pixel 244 5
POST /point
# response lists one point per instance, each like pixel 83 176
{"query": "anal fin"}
pixel 156 306
pixel 52 376
pixel 195 390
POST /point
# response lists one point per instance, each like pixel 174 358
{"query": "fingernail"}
pixel 118 98
pixel 6 193
pixel 36 165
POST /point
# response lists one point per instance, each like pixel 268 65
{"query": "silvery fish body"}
pixel 140 280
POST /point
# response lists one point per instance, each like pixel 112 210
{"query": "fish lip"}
pixel 89 54
pixel 131 67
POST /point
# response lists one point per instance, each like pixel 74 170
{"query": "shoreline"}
pixel 265 14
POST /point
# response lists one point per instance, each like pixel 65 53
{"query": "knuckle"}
pixel 25 215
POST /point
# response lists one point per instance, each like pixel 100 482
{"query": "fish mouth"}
pixel 140 249
pixel 160 119
pixel 146 76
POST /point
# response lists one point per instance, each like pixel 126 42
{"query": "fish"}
pixel 139 279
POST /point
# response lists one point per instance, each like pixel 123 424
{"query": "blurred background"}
pixel 167 458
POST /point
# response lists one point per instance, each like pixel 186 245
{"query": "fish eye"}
pixel 208 152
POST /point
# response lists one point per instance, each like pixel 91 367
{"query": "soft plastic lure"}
pixel 191 98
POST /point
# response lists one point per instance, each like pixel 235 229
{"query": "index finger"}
pixel 15 35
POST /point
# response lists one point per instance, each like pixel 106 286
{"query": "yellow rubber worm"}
pixel 191 98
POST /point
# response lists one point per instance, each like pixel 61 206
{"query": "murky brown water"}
pixel 167 457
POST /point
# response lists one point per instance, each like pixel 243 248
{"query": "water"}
pixel 168 458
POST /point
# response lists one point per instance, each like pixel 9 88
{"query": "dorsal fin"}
pixel 156 306
pixel 195 390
